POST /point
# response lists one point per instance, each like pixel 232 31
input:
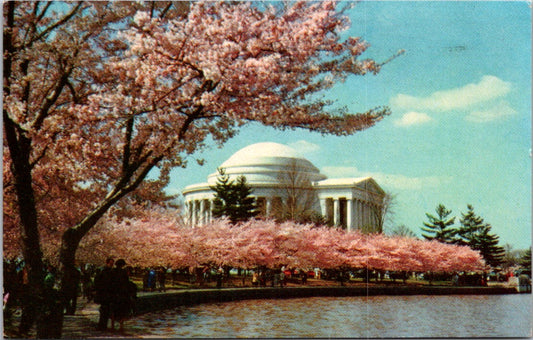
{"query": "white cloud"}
pixel 341 171
pixel 411 183
pixel 489 88
pixel 394 181
pixel 304 147
pixel 413 118
pixel 498 111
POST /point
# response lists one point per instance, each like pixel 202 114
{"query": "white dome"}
pixel 257 152
pixel 262 163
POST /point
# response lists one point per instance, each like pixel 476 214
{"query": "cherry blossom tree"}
pixel 94 101
pixel 160 239
pixel 52 51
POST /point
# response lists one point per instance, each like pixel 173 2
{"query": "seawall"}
pixel 159 301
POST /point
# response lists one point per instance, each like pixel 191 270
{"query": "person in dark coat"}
pixel 161 278
pixel 87 285
pixel 71 289
pixel 103 284
pixel 122 302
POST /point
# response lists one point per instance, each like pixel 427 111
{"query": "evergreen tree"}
pixel 232 198
pixel 246 206
pixel 525 260
pixel 475 233
pixel 223 194
pixel 439 228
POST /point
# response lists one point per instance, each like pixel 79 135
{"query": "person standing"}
pixel 103 284
pixel 71 290
pixel 255 279
pixel 87 286
pixel 161 278
pixel 49 322
pixel 121 302
pixel 50 277
pixel 282 278
pixel 151 279
pixel 220 274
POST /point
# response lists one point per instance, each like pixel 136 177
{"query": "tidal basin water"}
pixel 485 316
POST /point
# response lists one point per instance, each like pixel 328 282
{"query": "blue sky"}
pixel 460 129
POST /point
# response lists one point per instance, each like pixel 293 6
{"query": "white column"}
pixel 358 214
pixel 365 214
pixel 206 211
pixel 349 214
pixel 336 212
pixel 361 214
pixel 323 208
pixel 268 205
pixel 375 211
pixel 374 214
pixel 189 212
pixel 194 213
pixel 197 215
pixel 371 217
pixel 202 212
pixel 209 211
pixel 362 207
pixel 191 206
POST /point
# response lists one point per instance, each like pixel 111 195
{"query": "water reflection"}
pixel 359 317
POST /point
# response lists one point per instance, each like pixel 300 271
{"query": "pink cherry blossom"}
pixel 160 239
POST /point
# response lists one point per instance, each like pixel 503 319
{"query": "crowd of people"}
pixel 155 279
pixel 109 286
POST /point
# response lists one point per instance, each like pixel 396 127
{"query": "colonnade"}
pixel 351 213
pixel 348 213
pixel 199 212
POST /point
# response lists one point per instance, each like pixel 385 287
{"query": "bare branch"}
pixel 58 23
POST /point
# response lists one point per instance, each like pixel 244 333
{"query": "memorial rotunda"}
pixel 350 203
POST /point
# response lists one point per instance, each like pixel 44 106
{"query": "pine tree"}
pixel 475 233
pixel 439 228
pixel 246 207
pixel 232 198
pixel 223 194
pixel 525 260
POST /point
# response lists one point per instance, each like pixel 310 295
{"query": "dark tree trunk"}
pixel 19 146
pixel 31 249
pixel 37 305
pixel 19 149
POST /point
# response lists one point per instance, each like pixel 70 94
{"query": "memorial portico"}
pixel 354 203
pixel 350 203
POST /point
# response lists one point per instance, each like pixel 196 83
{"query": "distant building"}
pixel 350 203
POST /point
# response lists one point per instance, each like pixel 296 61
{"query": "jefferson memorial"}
pixel 349 203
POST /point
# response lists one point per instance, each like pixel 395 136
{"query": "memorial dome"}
pixel 263 163
pixel 272 171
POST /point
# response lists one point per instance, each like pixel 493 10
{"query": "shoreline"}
pixel 156 301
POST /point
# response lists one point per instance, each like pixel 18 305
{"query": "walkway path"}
pixel 82 325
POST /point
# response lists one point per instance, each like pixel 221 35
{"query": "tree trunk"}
pixel 67 255
pixel 36 303
pixel 69 245
pixel 19 146
pixel 19 149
